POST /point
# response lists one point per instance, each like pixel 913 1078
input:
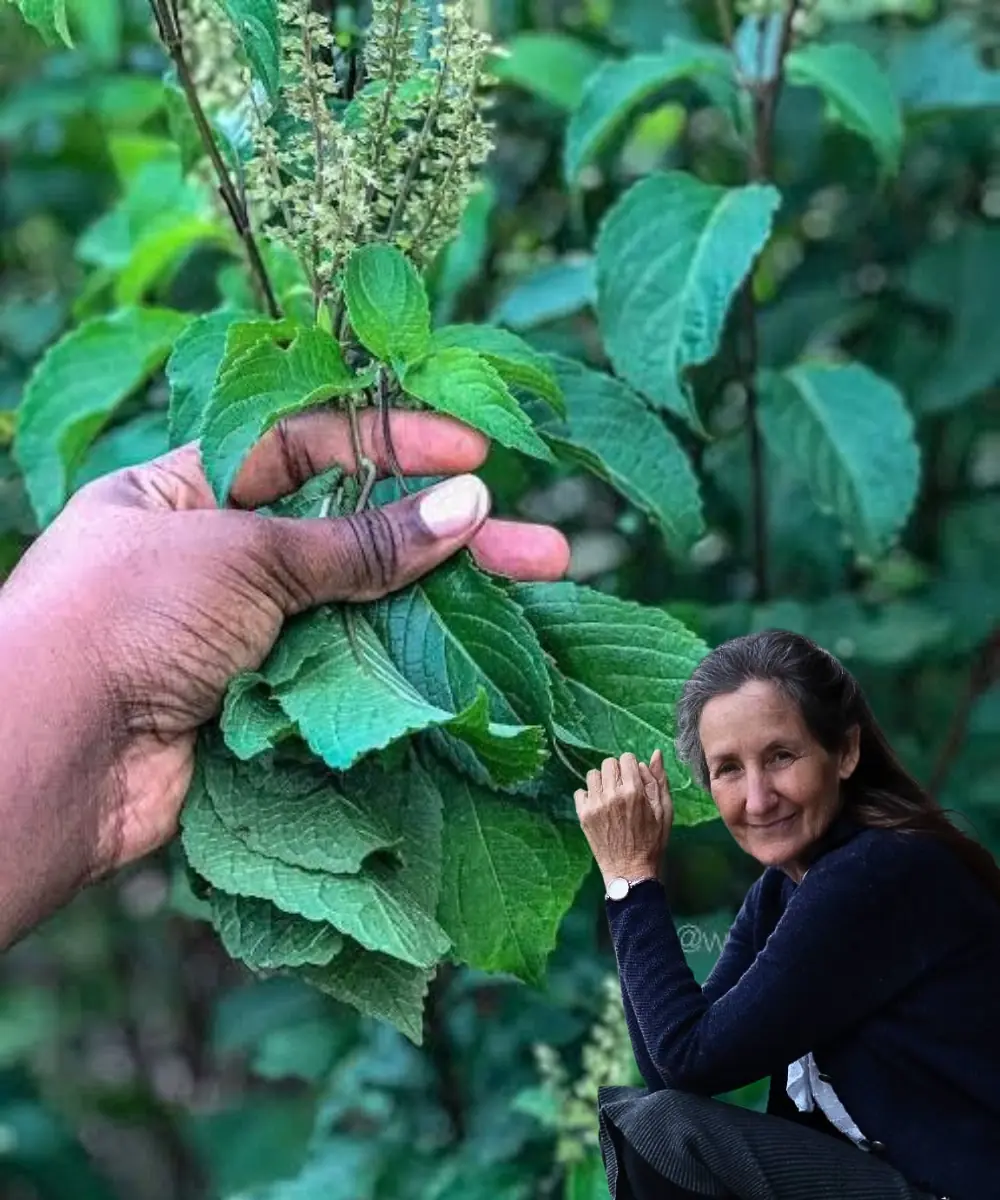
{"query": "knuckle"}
pixel 369 553
pixel 296 460
pixel 285 575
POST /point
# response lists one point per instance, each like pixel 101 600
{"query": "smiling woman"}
pixel 858 975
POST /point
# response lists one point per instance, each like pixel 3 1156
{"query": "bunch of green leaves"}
pixel 389 789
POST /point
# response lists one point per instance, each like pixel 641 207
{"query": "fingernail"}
pixel 455 507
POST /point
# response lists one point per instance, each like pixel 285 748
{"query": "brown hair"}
pixel 880 793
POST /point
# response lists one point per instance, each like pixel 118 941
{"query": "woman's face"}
pixel 775 786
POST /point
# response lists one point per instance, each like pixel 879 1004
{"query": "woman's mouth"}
pixel 777 826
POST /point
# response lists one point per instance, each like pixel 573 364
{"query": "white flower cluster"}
pixel 211 48
pixel 606 1060
pixel 305 183
pixel 395 164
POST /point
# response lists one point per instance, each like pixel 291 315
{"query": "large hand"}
pixel 165 597
pixel 626 813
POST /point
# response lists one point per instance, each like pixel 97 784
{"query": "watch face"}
pixel 618 889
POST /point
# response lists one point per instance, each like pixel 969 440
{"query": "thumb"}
pixel 650 787
pixel 658 769
pixel 365 555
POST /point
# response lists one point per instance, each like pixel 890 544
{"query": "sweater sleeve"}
pixel 649 1073
pixel 737 954
pixel 737 951
pixel 865 923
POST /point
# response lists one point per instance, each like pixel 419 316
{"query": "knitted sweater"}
pixel 884 962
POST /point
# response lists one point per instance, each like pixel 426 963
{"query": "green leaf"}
pixel 374 907
pixel 850 437
pixel 463 385
pixel 342 691
pixel 259 387
pixel 509 876
pixel 616 90
pixel 296 813
pixel 611 432
pixel 376 985
pixel 77 386
pixel 508 754
pixel 387 304
pixel 938 69
pixel 267 939
pixel 252 720
pixel 857 91
pixel 48 17
pixel 137 441
pixel 959 276
pixel 517 364
pixel 548 294
pixel 461 261
pixel 549 65
pixel 457 631
pixel 456 635
pixel 161 250
pixel 256 21
pixel 136 238
pixel 624 667
pixel 671 256
pixel 191 372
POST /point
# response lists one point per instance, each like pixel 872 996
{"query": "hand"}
pixel 626 814
pixel 143 599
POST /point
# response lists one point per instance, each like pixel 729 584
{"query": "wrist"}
pixel 56 769
pixel 632 871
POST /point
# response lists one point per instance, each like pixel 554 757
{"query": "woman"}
pixel 862 972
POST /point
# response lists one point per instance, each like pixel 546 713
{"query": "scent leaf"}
pixel 858 93
pixel 517 363
pixel 258 387
pixel 76 388
pixel 267 939
pixel 671 256
pixel 387 304
pixel 462 384
pixel 849 435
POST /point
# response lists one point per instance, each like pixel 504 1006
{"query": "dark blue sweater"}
pixel 884 962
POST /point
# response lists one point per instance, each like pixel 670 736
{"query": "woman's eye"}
pixel 782 756
pixel 726 769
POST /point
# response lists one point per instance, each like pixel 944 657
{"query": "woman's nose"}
pixel 758 799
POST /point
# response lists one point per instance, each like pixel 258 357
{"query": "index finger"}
pixel 303 446
pixel 300 447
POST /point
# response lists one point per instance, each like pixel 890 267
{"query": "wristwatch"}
pixel 619 888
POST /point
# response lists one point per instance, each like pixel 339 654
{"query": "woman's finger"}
pixel 657 767
pixel 594 786
pixel 611 776
pixel 628 767
pixel 651 789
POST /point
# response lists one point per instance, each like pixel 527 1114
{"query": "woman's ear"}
pixel 851 753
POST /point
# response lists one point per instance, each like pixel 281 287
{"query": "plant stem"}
pixel 725 15
pixel 442 1054
pixel 764 94
pixel 168 24
pixel 984 672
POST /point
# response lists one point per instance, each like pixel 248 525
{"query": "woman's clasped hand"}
pixel 626 814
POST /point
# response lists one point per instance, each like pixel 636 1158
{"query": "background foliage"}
pixel 823 456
